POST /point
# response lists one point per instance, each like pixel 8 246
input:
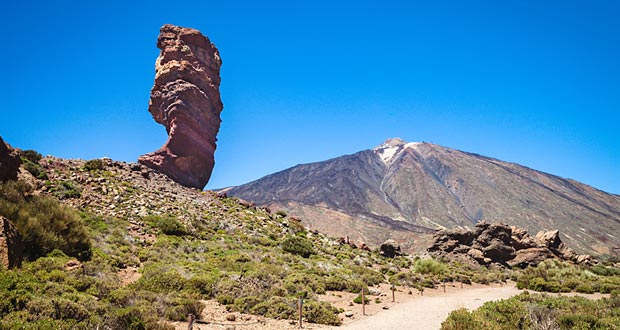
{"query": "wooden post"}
pixel 461 284
pixel 363 303
pixel 190 321
pixel 393 289
pixel 444 285
pixel 301 303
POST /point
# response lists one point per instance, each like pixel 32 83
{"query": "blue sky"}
pixel 531 82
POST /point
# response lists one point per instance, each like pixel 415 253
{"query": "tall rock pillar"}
pixel 186 99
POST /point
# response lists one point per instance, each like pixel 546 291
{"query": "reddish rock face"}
pixel 11 249
pixel 186 99
pixel 9 162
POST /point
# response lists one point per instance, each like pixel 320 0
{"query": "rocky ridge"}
pixel 500 244
pixel 9 162
pixel 186 100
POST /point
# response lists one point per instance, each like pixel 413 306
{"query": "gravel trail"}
pixel 427 312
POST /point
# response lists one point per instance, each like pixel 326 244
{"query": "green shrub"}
pixel 320 312
pixel 31 156
pixel 160 278
pixel 506 314
pixel 128 318
pixel 277 308
pixel 430 266
pixel 298 245
pixel 178 308
pixel 460 319
pixel 579 321
pixel 367 275
pixel 66 190
pixel 584 288
pixel 35 169
pixel 358 299
pixel 44 223
pixel 94 164
pixel 204 284
pixel 171 226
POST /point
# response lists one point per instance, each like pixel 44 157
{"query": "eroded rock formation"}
pixel 504 245
pixel 186 99
pixel 11 249
pixel 390 249
pixel 9 162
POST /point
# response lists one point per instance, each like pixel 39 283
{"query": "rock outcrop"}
pixel 9 162
pixel 390 249
pixel 186 99
pixel 11 249
pixel 508 246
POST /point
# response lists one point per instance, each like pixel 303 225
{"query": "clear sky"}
pixel 531 82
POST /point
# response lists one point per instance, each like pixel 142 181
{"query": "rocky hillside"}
pixel 402 189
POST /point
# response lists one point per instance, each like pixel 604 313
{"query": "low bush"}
pixel 31 156
pixel 43 222
pixel 321 312
pixel 429 266
pixel 167 224
pixel 535 311
pixel 298 245
pixel 94 164
pixel 358 299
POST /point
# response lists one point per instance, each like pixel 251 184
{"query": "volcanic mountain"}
pixel 403 190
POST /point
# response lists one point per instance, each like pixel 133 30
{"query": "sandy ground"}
pixel 410 310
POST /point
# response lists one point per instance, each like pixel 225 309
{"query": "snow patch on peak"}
pixel 413 145
pixel 387 154
pixel 392 148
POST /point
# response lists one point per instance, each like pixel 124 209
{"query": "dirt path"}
pixel 427 312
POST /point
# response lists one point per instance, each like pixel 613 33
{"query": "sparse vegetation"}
pixel 558 276
pixel 247 259
pixel 536 311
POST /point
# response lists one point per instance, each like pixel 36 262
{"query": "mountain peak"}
pixel 391 148
pixel 391 142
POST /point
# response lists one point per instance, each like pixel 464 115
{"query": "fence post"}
pixel 393 289
pixel 363 302
pixel 190 321
pixel 444 285
pixel 301 303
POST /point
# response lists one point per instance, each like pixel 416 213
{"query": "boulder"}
pixel 390 249
pixel 11 248
pixel 530 257
pixel 186 100
pixel 549 239
pixel 521 239
pixel 498 251
pixel 9 162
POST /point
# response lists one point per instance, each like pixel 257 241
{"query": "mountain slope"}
pixel 404 189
